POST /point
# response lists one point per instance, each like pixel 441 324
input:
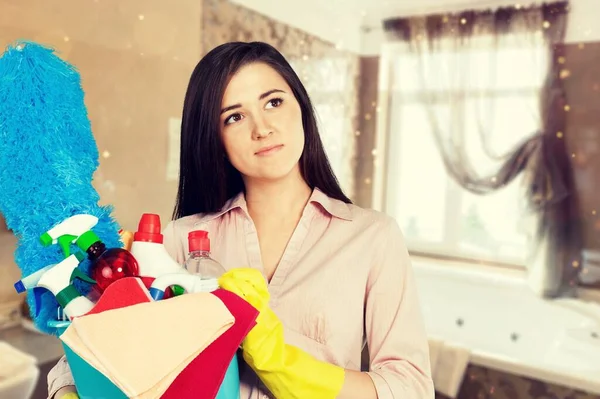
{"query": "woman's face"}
pixel 261 124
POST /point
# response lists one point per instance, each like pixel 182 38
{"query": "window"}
pixel 436 215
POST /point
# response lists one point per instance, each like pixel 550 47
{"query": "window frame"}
pixel 384 186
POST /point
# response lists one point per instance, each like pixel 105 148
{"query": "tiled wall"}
pixel 582 83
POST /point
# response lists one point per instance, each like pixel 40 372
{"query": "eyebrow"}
pixel 262 96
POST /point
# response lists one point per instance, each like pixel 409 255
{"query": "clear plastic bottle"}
pixel 199 261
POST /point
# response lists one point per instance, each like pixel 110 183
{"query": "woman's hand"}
pixel 249 284
pixel 287 371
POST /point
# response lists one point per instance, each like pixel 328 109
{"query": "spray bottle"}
pixel 31 281
pixel 108 265
pixel 59 281
pixel 202 274
pixel 147 247
pixel 68 231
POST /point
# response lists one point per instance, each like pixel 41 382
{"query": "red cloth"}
pixel 202 378
pixel 124 292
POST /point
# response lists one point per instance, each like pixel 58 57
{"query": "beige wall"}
pixel 9 299
pixel 135 59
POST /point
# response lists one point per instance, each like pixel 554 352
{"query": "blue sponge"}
pixel 48 156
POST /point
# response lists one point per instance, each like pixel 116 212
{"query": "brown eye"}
pixel 233 118
pixel 274 103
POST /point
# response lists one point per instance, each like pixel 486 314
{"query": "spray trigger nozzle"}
pixel 68 231
pixel 64 242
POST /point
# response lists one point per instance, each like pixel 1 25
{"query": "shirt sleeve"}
pixel 395 330
pixel 59 376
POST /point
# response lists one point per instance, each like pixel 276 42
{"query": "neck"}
pixel 285 198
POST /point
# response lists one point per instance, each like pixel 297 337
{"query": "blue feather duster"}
pixel 48 156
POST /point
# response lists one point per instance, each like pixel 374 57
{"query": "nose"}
pixel 262 128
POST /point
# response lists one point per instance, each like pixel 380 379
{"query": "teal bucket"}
pixel 92 384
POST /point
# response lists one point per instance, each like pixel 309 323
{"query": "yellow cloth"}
pixel 70 395
pixel 287 371
pixel 143 348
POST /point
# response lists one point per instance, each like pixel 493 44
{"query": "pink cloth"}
pixel 345 267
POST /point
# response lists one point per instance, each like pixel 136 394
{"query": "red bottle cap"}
pixel 198 241
pixel 149 229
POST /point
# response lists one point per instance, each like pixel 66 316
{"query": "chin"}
pixel 278 174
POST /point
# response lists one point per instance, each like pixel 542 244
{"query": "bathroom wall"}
pixel 582 83
pixel 9 299
pixel 135 58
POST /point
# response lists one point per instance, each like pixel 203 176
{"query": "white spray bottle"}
pixel 31 280
pixel 59 281
pixel 68 231
pixel 149 251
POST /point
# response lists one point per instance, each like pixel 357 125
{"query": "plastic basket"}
pixel 91 384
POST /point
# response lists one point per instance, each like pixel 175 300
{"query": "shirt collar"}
pixel 333 207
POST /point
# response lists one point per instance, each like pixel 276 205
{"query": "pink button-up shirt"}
pixel 344 276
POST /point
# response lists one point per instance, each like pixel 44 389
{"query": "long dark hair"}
pixel 206 177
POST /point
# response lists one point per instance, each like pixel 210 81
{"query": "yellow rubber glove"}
pixel 66 392
pixel 287 371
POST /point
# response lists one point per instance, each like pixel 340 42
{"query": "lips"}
pixel 269 150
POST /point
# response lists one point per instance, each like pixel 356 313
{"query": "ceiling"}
pixel 340 21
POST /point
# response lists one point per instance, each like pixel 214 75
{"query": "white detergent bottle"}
pixel 149 251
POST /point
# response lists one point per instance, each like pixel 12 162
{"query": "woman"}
pixel 255 175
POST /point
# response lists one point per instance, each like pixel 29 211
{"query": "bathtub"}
pixel 508 328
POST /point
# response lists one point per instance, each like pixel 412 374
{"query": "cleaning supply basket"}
pixel 91 384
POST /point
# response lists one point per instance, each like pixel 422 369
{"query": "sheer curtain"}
pixel 495 107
